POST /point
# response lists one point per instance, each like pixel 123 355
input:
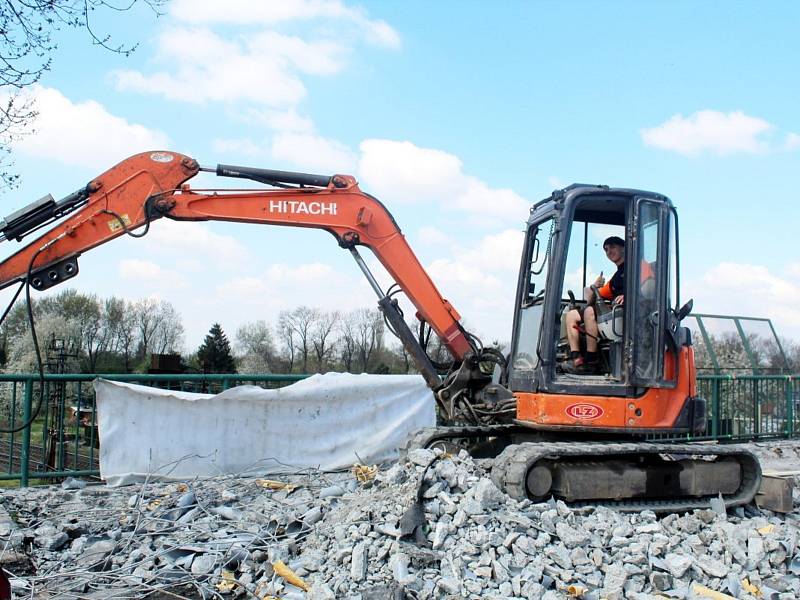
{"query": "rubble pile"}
pixel 432 526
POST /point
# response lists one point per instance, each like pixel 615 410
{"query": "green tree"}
pixel 214 355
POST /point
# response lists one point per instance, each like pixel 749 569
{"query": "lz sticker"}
pixel 583 411
pixel 162 157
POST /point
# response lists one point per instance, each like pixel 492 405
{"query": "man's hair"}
pixel 617 241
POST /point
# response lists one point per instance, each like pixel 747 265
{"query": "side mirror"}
pixel 685 310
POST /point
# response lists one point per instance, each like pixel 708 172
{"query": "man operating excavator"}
pixel 586 317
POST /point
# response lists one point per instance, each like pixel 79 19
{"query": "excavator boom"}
pixel 152 185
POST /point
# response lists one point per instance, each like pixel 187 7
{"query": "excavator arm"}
pixel 152 185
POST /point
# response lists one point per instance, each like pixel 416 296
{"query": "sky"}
pixel 458 116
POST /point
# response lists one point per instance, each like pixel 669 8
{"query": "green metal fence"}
pixel 63 440
pixel 742 407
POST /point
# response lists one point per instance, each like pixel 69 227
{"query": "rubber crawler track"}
pixel 511 466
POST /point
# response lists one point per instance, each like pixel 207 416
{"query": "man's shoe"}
pixel 574 366
pixel 579 366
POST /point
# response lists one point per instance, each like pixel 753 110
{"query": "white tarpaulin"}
pixel 326 421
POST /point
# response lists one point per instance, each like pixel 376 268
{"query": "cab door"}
pixel 532 294
pixel 647 294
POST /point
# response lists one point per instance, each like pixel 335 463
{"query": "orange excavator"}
pixel 552 433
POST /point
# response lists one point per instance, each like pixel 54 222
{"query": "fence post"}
pixel 714 408
pixel 25 455
pixel 789 407
pixel 756 409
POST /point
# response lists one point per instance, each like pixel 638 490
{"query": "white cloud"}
pixel 461 274
pixel 147 272
pixel 480 281
pixel 237 146
pixel 71 133
pixel 263 69
pixel 484 297
pixel 313 152
pixel 792 141
pixel 432 236
pixel 280 120
pixel 495 252
pixel 195 240
pixel 479 199
pixel 752 290
pixel 246 12
pixel 405 173
pixel 256 64
pixel 316 58
pixel 710 131
pixel 286 286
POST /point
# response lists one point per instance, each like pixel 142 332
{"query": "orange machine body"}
pixel 657 409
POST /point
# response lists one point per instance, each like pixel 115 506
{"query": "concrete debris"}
pixel 328 536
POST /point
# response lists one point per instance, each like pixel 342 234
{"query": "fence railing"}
pixel 63 440
pixel 751 406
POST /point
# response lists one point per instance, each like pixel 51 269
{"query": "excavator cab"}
pixel 640 339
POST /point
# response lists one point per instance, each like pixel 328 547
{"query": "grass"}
pixel 14 483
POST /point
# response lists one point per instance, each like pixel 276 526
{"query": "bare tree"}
pixel 347 340
pixel 287 336
pixel 27 42
pixel 302 321
pixel 322 330
pixel 94 339
pixel 256 348
pixel 158 326
pixel 120 322
pixel 368 324
pixel 168 336
pixel 792 350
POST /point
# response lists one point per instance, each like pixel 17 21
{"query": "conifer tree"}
pixel 214 355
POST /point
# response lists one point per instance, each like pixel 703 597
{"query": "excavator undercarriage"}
pixel 629 476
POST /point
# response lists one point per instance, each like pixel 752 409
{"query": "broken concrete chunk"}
pixel 203 564
pixel 358 562
pixel 677 564
pixel 486 494
pixel 570 536
pixel 333 491
pixel 71 483
pixel 421 457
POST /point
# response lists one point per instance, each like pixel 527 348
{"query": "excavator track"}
pixel 602 465
pixel 614 467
